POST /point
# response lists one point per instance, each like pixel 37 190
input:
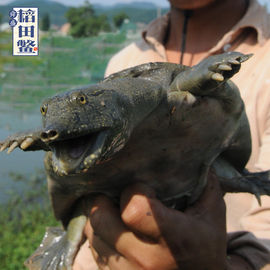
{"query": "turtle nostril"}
pixel 43 136
pixel 52 134
pixel 49 135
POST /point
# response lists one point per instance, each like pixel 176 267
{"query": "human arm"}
pixel 144 234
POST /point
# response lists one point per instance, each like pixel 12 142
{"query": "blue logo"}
pixel 24 21
pixel 12 22
pixel 12 14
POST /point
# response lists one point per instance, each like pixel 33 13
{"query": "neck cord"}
pixel 187 14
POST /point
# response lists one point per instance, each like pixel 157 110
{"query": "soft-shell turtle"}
pixel 158 123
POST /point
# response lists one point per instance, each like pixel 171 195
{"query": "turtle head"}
pixel 83 127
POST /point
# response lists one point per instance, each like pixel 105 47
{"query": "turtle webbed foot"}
pixel 233 181
pixel 54 252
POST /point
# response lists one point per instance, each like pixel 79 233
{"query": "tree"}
pixel 119 18
pixel 84 23
pixel 105 26
pixel 45 22
pixel 1 17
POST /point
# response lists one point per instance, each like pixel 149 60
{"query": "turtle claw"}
pixel 217 77
pixel 233 62
pixel 12 147
pixel 224 67
pixel 4 146
pixel 27 142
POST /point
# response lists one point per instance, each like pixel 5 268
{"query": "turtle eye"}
pixel 82 99
pixel 43 109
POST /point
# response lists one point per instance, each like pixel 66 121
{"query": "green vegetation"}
pixel 63 63
pixel 45 22
pixel 23 221
pixel 119 18
pixel 84 23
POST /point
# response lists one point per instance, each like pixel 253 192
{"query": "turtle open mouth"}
pixel 72 156
pixel 76 146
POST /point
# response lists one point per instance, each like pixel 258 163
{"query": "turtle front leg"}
pixel 59 248
pixel 28 140
pixel 210 78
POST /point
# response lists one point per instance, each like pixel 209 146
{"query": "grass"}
pixel 23 220
pixel 63 63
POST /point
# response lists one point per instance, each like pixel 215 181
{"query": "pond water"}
pixel 13 120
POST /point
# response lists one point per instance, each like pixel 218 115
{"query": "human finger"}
pixel 103 254
pixel 138 209
pixel 147 216
pixel 107 224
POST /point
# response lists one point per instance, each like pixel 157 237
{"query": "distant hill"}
pixel 138 12
pixel 143 12
pixel 54 9
pixel 138 5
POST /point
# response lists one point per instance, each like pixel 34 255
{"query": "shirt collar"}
pixel 255 17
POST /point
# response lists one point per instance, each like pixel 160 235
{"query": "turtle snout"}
pixel 49 135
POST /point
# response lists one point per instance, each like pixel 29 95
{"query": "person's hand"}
pixel 145 234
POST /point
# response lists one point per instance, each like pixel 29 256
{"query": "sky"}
pixel 161 3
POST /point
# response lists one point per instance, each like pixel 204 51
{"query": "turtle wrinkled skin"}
pixel 158 123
